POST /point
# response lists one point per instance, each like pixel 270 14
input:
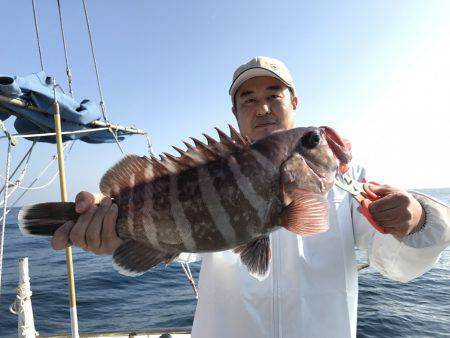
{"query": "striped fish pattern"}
pixel 219 195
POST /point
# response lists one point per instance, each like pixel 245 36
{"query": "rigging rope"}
pixel 26 156
pixel 68 72
pixel 102 101
pixel 26 189
pixel 37 34
pixel 188 273
pixel 54 158
pixel 149 145
pixel 16 184
pixel 5 200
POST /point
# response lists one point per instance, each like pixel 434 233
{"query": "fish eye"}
pixel 311 139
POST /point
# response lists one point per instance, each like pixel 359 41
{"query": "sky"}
pixel 376 71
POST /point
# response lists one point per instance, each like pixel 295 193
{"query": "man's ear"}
pixel 294 102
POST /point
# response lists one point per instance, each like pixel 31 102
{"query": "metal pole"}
pixel 62 184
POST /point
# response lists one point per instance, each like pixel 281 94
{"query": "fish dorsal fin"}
pixel 237 137
pixel 123 174
pixel 133 170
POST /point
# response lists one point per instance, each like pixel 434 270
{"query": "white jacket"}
pixel 312 287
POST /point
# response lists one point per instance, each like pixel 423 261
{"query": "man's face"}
pixel 263 105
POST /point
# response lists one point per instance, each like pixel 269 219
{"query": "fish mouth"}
pixel 317 170
pixel 340 147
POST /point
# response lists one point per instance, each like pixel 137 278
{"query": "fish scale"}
pixel 227 194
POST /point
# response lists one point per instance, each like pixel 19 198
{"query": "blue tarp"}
pixel 37 89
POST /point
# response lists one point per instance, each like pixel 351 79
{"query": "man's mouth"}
pixel 265 124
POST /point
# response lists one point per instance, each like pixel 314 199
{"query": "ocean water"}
pixel 108 301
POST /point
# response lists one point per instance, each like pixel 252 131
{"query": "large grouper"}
pixel 227 194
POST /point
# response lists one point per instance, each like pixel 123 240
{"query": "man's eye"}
pixel 275 96
pixel 249 100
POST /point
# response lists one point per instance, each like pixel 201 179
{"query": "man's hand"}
pixel 397 211
pixel 95 229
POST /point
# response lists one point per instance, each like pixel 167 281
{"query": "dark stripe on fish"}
pixel 206 235
pixel 249 163
pixel 166 228
pixel 123 209
pixel 233 201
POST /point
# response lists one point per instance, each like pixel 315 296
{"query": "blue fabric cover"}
pixel 37 89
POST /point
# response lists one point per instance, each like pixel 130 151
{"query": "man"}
pixel 312 287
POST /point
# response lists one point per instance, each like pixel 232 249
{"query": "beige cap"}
pixel 261 66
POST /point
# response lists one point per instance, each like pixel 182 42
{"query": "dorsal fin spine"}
pixel 224 138
pixel 204 149
pixel 182 152
pixel 211 141
pixel 176 160
pixel 236 136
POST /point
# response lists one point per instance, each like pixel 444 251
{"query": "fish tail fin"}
pixel 307 214
pixel 133 258
pixel 44 218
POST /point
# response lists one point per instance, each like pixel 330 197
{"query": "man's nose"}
pixel 263 110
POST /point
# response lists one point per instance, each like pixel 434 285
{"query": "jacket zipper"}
pixel 276 300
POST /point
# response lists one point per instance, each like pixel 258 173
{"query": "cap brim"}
pixel 249 74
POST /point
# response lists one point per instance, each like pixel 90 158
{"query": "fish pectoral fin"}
pixel 256 255
pixel 133 258
pixel 307 214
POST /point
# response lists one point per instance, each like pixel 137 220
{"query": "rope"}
pixel 5 200
pixel 187 272
pixel 22 174
pixel 45 169
pixel 114 134
pixel 36 179
pixel 37 34
pixel 16 184
pixel 23 295
pixel 149 145
pixel 28 156
pixel 102 100
pixel 68 72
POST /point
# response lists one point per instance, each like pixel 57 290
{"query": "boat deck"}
pixel 152 333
